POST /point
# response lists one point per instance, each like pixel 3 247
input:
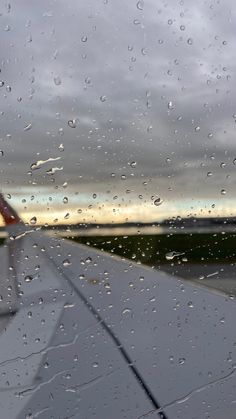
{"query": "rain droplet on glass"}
pixel 158 201
pixel 57 80
pixel 140 5
pixel 28 127
pixel 170 105
pixel 103 98
pixel 72 123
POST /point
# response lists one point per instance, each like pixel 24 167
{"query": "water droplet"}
pixel 1 83
pixel 54 170
pixel 68 305
pixel 72 123
pixel 66 262
pixel 170 22
pixel 95 364
pixel 223 191
pixel 84 38
pixel 87 80
pixel 181 361
pixel 8 89
pixel 127 311
pixel 28 278
pixel 103 98
pixel 182 27
pixel 57 80
pixel 157 202
pixel 33 220
pixel 197 128
pixel 172 255
pixel 190 41
pixel 39 163
pixel 65 200
pixel 190 304
pixel 28 127
pixel 133 164
pixel 143 51
pixel 140 5
pixel 170 105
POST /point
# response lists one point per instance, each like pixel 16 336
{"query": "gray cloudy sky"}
pixel 151 82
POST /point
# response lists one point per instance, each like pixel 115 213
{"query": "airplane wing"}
pixel 85 334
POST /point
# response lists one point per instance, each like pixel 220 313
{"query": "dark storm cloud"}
pixel 155 86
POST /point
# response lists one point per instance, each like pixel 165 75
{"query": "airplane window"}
pixel 117 209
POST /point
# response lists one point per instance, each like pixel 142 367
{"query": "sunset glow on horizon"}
pixel 59 211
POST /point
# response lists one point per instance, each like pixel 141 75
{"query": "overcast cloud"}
pixel 150 85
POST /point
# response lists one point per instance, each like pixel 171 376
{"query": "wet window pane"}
pixel 117 209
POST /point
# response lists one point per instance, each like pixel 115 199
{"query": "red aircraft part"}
pixel 8 213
